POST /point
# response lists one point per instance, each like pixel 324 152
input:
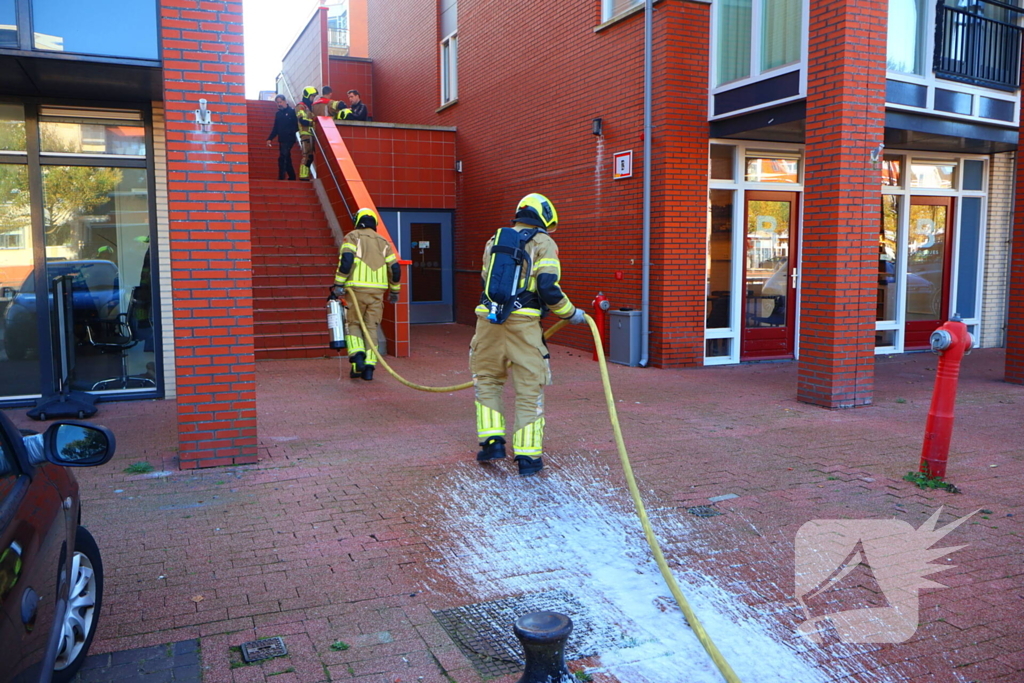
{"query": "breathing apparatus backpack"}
pixel 510 265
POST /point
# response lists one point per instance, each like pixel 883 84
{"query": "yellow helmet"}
pixel 366 218
pixel 536 209
pixel 309 92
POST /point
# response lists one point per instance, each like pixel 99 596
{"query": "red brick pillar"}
pixel 679 183
pixel 845 120
pixel 208 196
pixel 1014 371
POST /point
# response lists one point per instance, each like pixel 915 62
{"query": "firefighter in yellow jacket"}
pixel 367 267
pixel 304 116
pixel 518 342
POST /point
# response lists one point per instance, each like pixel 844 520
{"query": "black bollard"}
pixel 543 635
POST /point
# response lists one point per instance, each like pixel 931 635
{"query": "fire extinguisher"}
pixel 336 323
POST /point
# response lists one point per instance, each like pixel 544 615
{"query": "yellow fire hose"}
pixel 691 618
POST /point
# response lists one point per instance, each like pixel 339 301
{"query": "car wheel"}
pixel 84 600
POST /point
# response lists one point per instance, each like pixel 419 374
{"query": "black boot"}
pixel 358 361
pixel 529 466
pixel 352 374
pixel 368 373
pixel 493 449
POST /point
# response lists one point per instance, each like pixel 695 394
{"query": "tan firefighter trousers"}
pixel 519 341
pixel 371 303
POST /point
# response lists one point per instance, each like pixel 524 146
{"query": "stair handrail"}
pixel 334 178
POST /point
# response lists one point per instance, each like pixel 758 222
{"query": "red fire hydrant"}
pixel 952 342
pixel 601 305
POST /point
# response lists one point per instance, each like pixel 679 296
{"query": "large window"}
pixel 449 27
pixel 8 24
pixel 905 41
pixel 449 69
pixel 87 237
pixel 18 367
pixel 613 8
pixel 117 28
pixel 754 37
pixel 12 128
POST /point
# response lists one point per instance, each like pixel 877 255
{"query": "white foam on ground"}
pixel 503 535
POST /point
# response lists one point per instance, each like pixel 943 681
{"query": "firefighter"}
pixel 519 341
pixel 325 106
pixel 368 267
pixel 304 116
pixel 356 109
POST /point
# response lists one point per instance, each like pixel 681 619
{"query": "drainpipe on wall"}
pixel 645 288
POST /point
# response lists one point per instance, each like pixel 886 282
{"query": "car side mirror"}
pixel 7 293
pixel 78 444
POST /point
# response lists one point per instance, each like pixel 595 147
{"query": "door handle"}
pixel 795 274
pixel 29 608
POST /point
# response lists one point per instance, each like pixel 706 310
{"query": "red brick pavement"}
pixel 348 528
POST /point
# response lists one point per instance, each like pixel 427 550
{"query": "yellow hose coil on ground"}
pixel 691 618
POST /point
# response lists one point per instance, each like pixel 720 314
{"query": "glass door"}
pixel 425 238
pixel 768 275
pixel 928 267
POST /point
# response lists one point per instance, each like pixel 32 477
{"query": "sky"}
pixel 271 26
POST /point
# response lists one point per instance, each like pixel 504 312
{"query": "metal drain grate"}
pixel 483 631
pixel 703 511
pixel 267 648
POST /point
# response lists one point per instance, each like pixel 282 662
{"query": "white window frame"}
pixel 740 185
pixel 449 68
pixel 608 5
pixel 905 191
pixel 755 62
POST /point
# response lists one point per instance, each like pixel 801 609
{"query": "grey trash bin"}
pixel 624 341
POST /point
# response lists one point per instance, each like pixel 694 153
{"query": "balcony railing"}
pixel 979 43
pixel 337 38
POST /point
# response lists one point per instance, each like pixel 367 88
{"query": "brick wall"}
pixel 523 121
pixel 1015 307
pixel 845 115
pixel 997 235
pixel 210 245
pixel 305 62
pixel 403 44
pixel 679 182
pixel 404 167
pixel 348 73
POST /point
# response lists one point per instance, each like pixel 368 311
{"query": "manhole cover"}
pixel 267 648
pixel 484 631
pixel 703 511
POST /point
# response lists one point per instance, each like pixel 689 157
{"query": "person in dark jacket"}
pixel 356 110
pixel 285 127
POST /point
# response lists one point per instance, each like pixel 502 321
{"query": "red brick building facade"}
pixel 814 112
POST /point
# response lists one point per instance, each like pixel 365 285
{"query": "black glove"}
pixel 393 298
pixel 337 291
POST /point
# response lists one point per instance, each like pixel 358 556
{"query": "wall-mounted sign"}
pixel 622 165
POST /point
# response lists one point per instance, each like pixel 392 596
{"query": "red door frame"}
pixel 916 333
pixel 771 343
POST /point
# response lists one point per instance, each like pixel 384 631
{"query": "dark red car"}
pixel 51 574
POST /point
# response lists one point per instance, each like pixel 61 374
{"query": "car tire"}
pixel 85 598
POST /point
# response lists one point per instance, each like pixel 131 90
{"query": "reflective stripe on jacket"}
pixel 372 265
